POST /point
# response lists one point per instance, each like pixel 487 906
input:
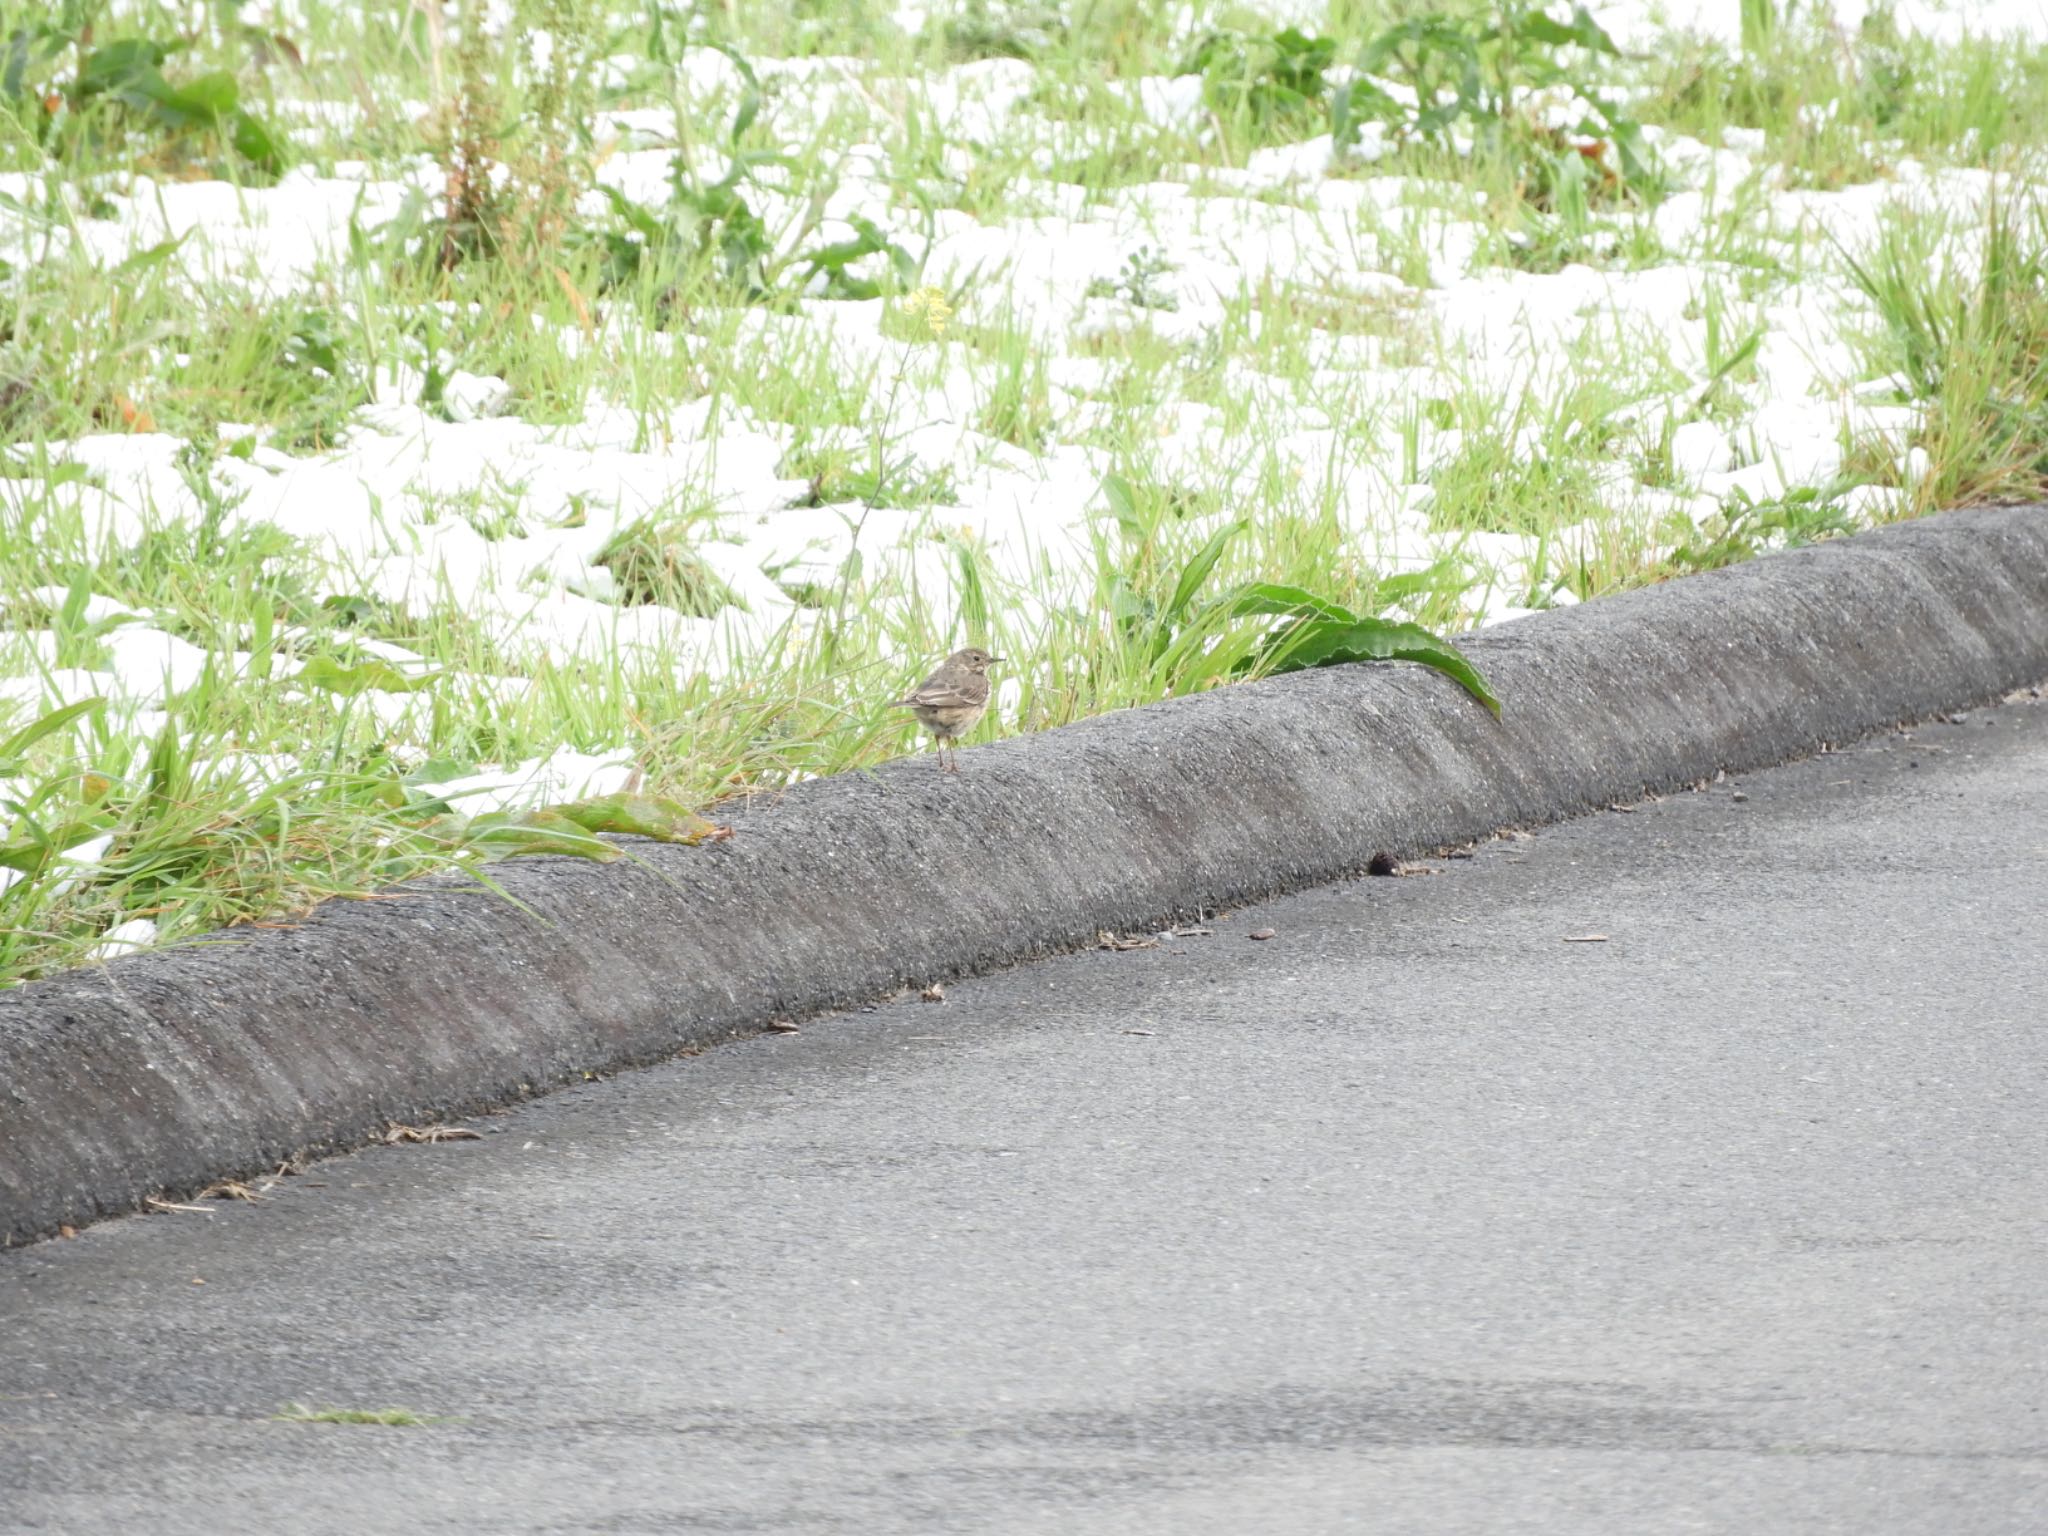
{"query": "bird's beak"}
pixel 994 659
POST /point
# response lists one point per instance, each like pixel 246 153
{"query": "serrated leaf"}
pixel 655 816
pixel 1402 585
pixel 504 835
pixel 1285 601
pixel 1322 643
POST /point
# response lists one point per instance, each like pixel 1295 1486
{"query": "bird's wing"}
pixel 945 696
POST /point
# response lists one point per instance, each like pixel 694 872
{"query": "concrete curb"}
pixel 164 1072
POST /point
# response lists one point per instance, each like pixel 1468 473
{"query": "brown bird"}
pixel 949 701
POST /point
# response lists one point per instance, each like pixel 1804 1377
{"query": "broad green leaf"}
pixel 1277 598
pixel 1356 103
pixel 120 65
pixel 831 258
pixel 165 776
pixel 51 475
pixel 502 836
pixel 77 597
pixel 753 158
pixel 44 725
pixel 326 673
pixel 1403 585
pixel 1123 505
pixel 205 99
pixel 255 142
pixel 152 256
pixel 665 820
pixel 312 341
pixel 440 770
pixel 637 217
pixel 750 98
pixel 32 855
pixel 1129 607
pixel 1582 31
pixel 1197 570
pixel 1321 643
pixel 906 266
pixel 1588 33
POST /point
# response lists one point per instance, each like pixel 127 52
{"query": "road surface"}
pixel 1417 1216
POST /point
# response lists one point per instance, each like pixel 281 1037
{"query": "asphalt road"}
pixel 1415 1217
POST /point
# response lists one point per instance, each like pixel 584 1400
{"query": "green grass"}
pixel 1837 108
pixel 1970 340
pixel 1242 422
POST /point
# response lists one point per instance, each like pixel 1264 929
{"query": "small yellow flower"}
pixel 929 306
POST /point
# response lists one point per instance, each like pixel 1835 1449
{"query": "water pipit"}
pixel 949 701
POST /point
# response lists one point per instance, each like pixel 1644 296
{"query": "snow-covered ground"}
pixel 1355 421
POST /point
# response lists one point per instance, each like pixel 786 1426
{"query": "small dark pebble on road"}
pixel 1262 933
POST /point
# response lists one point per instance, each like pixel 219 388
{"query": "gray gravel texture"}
pixel 159 1074
pixel 1413 1220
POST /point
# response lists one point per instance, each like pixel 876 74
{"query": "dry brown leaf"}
pixel 394 1134
pixel 576 301
pixel 133 416
pixel 1104 939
